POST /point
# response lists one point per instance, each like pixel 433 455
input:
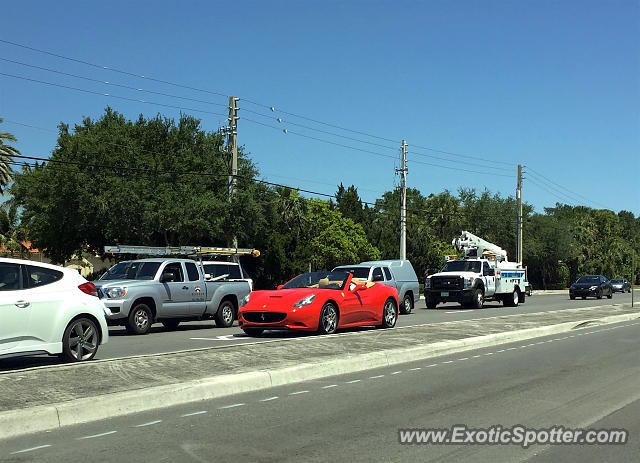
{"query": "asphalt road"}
pixel 587 378
pixel 196 335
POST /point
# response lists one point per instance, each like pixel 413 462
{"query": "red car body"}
pixel 357 304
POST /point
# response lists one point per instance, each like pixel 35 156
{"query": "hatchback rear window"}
pixel 40 276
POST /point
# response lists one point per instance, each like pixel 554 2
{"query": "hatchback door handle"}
pixel 22 304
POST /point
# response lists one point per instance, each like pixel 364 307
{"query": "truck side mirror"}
pixel 492 272
pixel 378 278
pixel 168 277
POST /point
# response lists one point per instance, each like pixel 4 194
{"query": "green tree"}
pixel 7 152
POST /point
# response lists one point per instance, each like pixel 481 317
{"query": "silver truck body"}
pixel 396 273
pixel 172 290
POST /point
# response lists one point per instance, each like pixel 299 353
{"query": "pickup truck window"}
pixel 387 273
pixel 377 274
pixel 132 270
pixel 192 271
pixel 485 269
pixel 358 272
pixel 234 272
pixel 176 269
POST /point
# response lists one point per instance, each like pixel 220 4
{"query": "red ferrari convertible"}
pixel 319 301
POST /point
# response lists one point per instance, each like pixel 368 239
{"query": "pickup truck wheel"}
pixel 225 314
pixel 478 299
pixel 407 304
pixel 140 319
pixel 170 324
pixel 253 332
pixel 431 302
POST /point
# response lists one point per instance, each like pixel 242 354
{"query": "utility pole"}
pixel 633 269
pixel 232 147
pixel 403 202
pixel 519 225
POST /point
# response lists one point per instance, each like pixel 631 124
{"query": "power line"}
pixel 110 95
pixel 466 163
pixel 562 198
pixel 467 156
pixel 106 82
pixel 548 180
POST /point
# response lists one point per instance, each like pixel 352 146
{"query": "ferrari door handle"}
pixel 22 304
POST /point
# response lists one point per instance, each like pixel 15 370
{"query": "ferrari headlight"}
pixel 305 301
pixel 116 292
pixel 245 300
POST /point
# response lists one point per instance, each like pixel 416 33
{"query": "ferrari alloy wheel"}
pixel 389 314
pixel 328 319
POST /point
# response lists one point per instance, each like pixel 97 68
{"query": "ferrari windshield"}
pixel 132 270
pixel 462 266
pixel 321 280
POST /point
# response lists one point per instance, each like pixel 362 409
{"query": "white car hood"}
pixel 455 274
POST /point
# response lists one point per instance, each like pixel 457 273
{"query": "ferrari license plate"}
pixel 444 294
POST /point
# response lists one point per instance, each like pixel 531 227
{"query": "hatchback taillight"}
pixel 89 288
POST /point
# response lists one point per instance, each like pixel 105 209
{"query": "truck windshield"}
pixel 133 270
pixel 357 272
pixel 462 266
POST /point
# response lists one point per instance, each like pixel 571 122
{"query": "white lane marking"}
pixel 550 340
pixel 376 377
pixel 329 386
pixel 396 372
pixel 150 423
pixel 414 369
pixel 201 412
pixel 532 344
pixel 476 356
pixel 31 449
pixel 93 436
pixel 226 337
pixel 298 392
pixel 522 347
pixel 448 361
pixel 353 381
pixel 512 348
pixel 463 358
pixel 432 365
pixel 231 406
pixel 501 350
pixel 268 399
pixel 488 353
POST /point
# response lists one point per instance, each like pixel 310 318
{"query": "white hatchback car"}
pixel 46 308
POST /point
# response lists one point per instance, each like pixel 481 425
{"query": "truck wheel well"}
pixel 480 287
pixel 149 301
pixel 410 293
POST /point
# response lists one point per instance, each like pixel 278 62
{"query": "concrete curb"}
pixel 43 418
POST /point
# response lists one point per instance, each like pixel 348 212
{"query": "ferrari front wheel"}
pixel 389 314
pixel 328 323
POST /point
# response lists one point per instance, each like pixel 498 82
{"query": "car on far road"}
pixel 398 274
pixel 51 309
pixel 319 301
pixel 621 284
pixel 591 286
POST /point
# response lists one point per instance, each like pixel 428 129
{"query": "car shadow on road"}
pixel 21 362
pixel 158 328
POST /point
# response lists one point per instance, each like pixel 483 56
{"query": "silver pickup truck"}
pixel 138 293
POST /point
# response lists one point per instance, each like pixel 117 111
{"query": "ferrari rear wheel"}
pixel 389 314
pixel 328 319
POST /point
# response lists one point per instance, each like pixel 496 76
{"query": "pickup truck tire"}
pixel 171 324
pixel 478 299
pixel 389 314
pixel 140 319
pixel 431 302
pixel 511 300
pixel 407 304
pixel 253 332
pixel 225 314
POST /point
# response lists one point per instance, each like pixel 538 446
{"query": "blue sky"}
pixel 552 85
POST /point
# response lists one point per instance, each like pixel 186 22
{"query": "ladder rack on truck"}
pixel 180 250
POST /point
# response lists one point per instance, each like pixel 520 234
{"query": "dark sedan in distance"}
pixel 621 284
pixel 591 286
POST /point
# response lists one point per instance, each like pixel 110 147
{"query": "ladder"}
pixel 180 250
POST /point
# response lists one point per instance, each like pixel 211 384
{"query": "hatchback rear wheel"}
pixel 80 340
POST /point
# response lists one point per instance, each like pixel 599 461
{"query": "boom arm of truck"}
pixel 474 246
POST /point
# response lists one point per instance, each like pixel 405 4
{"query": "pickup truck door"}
pixel 176 291
pixel 197 291
pixel 490 280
